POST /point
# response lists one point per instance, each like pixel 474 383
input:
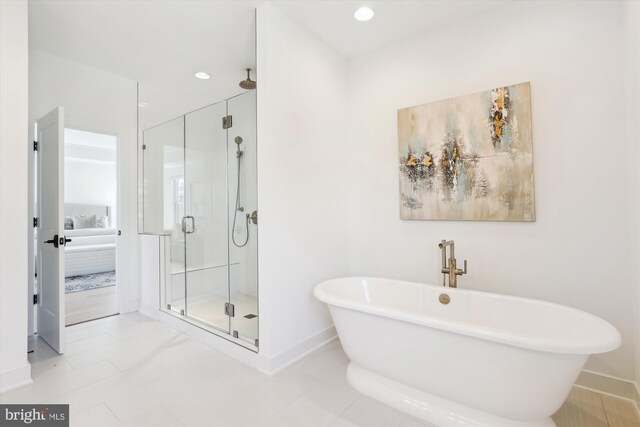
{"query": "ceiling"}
pixel 395 20
pixel 161 44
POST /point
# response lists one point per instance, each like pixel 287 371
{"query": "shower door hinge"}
pixel 227 122
pixel 144 147
pixel 35 145
pixel 229 309
pixel 35 221
pixel 35 299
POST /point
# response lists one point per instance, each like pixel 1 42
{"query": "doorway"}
pixel 90 225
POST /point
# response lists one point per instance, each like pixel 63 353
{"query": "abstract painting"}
pixel 468 158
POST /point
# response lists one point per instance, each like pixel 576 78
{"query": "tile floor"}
pixel 91 304
pixel 133 371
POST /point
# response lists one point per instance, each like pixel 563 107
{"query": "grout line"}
pixel 112 413
pixel 604 410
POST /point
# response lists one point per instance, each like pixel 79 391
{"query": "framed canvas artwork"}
pixel 468 158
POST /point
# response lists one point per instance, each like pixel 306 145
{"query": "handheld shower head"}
pixel 248 84
pixel 238 140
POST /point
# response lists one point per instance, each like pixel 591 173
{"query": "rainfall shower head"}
pixel 248 84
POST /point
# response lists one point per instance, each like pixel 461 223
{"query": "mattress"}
pixel 91 250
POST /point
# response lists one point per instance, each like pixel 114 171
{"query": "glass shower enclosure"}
pixel 199 190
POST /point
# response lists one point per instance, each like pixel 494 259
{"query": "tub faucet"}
pixel 450 269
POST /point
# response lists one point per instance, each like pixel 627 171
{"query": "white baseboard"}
pixel 128 306
pixel 607 384
pixel 15 378
pixel 274 364
pixel 268 365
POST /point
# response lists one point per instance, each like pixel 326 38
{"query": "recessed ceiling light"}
pixel 202 75
pixel 143 104
pixel 364 14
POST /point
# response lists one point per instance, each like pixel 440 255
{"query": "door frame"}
pixel 125 279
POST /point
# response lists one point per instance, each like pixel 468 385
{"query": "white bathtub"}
pixel 482 360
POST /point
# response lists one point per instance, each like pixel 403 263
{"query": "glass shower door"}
pixel 199 187
pixel 205 220
pixel 243 218
pixel 163 202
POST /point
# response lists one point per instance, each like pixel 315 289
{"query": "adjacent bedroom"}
pixel 90 189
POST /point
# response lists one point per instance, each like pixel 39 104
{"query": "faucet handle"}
pixel 463 271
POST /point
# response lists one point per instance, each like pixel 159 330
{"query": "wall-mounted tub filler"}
pixel 450 268
pixel 411 352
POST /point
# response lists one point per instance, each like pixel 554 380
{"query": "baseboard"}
pixel 268 365
pixel 609 385
pixel 16 378
pixel 273 365
pixel 128 306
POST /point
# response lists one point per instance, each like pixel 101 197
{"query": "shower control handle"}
pixel 253 217
pixel 192 226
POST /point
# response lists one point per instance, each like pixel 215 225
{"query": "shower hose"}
pixel 235 213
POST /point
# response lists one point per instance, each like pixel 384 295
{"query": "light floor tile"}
pixel 216 418
pixel 133 370
pixel 323 404
pixel 98 416
pixel 583 408
pixel 41 391
pixel 50 367
pixel 154 417
pixel 620 412
pixel 261 402
pixel 87 344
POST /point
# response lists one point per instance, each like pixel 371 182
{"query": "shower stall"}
pixel 199 191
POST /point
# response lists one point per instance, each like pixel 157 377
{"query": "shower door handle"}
pixel 192 226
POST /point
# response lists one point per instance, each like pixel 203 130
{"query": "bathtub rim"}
pixel 612 341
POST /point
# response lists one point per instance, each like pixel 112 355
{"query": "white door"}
pixel 51 240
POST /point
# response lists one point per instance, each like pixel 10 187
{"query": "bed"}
pixel 91 250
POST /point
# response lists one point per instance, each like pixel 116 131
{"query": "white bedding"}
pixel 91 250
pixel 89 232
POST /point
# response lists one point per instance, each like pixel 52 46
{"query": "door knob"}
pixel 55 241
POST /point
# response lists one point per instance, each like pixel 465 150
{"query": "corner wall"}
pixel 632 108
pixel 14 293
pixel 579 252
pixel 302 184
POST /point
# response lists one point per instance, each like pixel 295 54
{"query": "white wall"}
pixel 632 109
pixel 579 252
pixel 90 171
pixel 302 175
pixel 14 367
pixel 96 101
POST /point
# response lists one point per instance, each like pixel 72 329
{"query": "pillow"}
pixel 84 221
pixel 102 221
pixel 68 223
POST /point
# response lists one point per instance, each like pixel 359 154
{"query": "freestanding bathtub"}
pixel 482 359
